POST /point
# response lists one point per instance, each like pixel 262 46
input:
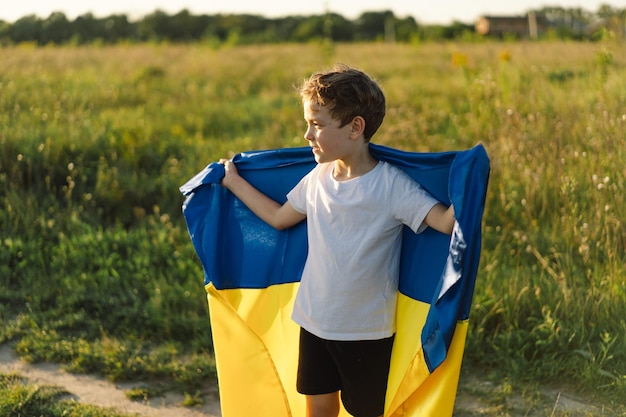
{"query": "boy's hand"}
pixel 230 173
pixel 276 215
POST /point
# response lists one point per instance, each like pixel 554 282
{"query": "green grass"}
pixel 97 271
pixel 17 399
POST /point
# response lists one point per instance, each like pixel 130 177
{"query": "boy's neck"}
pixel 355 165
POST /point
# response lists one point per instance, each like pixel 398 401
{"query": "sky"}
pixel 424 11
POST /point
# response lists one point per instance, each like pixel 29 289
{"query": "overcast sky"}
pixel 433 11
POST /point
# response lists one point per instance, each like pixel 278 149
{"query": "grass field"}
pixel 96 267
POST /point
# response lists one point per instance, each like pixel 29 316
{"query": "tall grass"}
pixel 96 268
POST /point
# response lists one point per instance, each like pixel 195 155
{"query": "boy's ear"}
pixel 358 126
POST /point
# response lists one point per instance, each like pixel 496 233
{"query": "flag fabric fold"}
pixel 252 272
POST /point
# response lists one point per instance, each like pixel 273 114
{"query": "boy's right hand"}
pixel 230 172
pixel 276 215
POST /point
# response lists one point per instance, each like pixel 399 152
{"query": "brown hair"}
pixel 348 93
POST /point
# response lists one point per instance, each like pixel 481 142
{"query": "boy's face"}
pixel 328 140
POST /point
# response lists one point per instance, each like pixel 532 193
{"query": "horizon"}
pixel 443 12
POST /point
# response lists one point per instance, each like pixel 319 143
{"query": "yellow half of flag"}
pixel 257 357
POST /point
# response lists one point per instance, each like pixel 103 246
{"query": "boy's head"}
pixel 347 93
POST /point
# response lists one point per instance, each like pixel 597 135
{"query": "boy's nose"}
pixel 308 136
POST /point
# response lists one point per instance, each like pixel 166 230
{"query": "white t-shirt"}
pixel 349 285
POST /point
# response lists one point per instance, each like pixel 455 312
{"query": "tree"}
pixel 371 25
pixel 4 32
pixel 606 11
pixel 25 29
pixel 572 23
pixel 338 27
pixel 185 27
pixel 406 29
pixel 613 19
pixel 311 28
pixel 117 27
pixel 154 27
pixel 282 29
pixel 56 29
pixel 86 28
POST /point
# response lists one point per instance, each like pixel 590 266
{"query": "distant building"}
pixel 529 26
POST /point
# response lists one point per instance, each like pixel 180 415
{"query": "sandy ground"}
pixel 94 390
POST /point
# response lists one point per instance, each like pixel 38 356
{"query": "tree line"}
pixel 252 29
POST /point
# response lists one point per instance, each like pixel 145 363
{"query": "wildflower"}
pixel 459 60
pixel 505 56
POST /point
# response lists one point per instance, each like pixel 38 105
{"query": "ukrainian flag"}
pixel 252 273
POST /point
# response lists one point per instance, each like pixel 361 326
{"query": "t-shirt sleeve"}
pixel 411 202
pixel 297 195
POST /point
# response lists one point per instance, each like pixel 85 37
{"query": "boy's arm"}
pixel 441 218
pixel 270 211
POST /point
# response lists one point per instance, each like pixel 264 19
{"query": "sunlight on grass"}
pixel 97 270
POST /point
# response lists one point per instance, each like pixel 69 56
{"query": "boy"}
pixel 355 208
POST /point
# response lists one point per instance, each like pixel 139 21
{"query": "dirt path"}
pixel 90 389
pixel 474 397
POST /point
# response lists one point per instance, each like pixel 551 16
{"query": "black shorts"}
pixel 359 369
